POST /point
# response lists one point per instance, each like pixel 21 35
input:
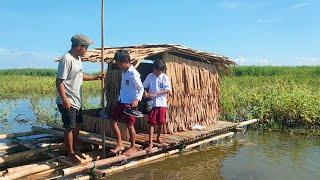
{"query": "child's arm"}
pixel 139 88
pixel 166 87
pixel 146 84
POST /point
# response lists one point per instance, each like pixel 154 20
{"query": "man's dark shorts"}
pixel 70 118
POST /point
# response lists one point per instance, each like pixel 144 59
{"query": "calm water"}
pixel 250 156
pixel 21 114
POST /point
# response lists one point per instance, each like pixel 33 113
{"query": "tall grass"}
pixel 296 71
pixel 28 72
pixel 281 97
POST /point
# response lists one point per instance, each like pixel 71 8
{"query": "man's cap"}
pixel 81 39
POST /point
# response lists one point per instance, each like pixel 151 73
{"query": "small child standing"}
pixel 131 92
pixel 157 85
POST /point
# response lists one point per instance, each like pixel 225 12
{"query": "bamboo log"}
pixel 87 134
pixel 244 123
pixel 27 154
pixel 165 154
pixel 20 168
pixel 92 140
pixel 31 170
pixel 8 147
pixel 14 135
pixel 103 162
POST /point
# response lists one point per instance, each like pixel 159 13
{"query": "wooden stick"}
pixel 102 80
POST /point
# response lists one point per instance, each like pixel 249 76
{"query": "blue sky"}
pixel 259 32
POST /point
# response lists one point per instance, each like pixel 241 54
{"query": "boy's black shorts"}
pixel 70 118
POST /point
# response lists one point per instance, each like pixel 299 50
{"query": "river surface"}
pixel 251 156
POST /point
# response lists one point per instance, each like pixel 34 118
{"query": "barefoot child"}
pixel 158 85
pixel 131 92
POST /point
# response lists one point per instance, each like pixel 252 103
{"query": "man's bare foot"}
pixel 117 149
pixel 129 152
pixel 73 158
pixel 78 153
pixel 149 148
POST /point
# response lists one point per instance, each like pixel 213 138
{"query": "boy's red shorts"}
pixel 118 115
pixel 157 116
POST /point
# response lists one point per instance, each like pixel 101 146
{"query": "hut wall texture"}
pixel 195 93
pixel 194 98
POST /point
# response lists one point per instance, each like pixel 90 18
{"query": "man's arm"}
pixel 92 78
pixel 62 92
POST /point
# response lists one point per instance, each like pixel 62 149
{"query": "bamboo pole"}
pixel 13 135
pixel 87 134
pixel 165 154
pixel 244 123
pixel 31 170
pixel 103 162
pixel 23 167
pixel 26 154
pixel 8 147
pixel 102 80
pixel 92 140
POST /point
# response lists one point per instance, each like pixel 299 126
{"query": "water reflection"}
pixel 21 114
pixel 252 156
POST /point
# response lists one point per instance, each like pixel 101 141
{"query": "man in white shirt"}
pixel 157 85
pixel 69 81
pixel 131 92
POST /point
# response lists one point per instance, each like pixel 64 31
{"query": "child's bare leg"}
pixel 159 133
pixel 151 130
pixel 117 132
pixel 132 148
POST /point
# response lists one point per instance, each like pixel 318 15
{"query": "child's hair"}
pixel 159 64
pixel 122 56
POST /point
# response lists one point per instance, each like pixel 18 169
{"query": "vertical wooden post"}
pixel 102 80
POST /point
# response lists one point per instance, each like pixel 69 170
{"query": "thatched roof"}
pixel 138 53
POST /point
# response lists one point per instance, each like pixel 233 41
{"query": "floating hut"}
pixel 195 95
pixel 194 100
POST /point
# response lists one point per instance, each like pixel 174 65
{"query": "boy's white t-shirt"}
pixel 155 84
pixel 131 86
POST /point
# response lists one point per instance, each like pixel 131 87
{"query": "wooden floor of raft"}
pixel 171 140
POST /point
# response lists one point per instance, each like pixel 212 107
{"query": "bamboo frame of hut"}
pixel 195 96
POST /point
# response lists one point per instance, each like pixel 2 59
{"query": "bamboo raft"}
pixel 40 153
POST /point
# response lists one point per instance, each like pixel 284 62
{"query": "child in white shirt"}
pixel 131 92
pixel 157 85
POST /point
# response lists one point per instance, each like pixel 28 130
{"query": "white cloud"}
pixel 263 62
pixel 241 60
pixel 229 5
pixel 15 58
pixel 236 4
pixel 310 61
pixel 299 5
pixel 253 61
